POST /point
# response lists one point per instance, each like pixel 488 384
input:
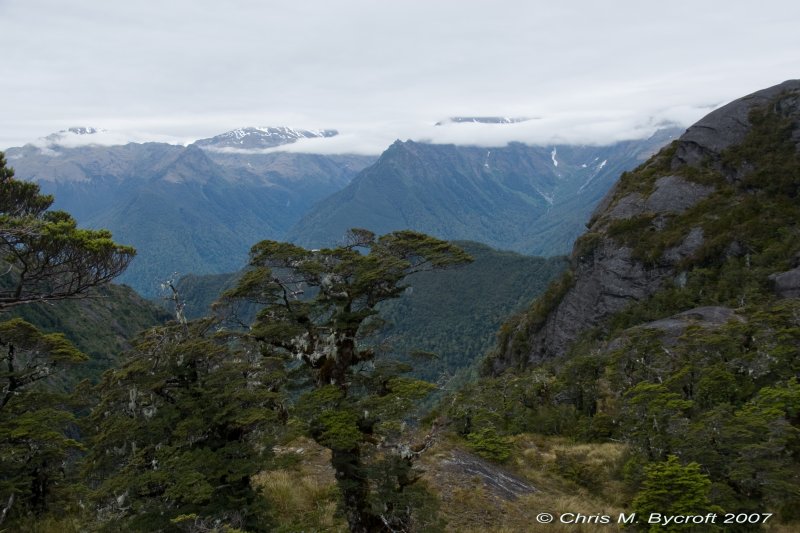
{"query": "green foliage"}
pixel 101 326
pixel 338 430
pixel 443 320
pixel 401 498
pixel 673 489
pixel 642 180
pixel 24 336
pixel 488 444
pixel 456 314
pixel 44 254
pixel 44 257
pixel 36 438
pixel 656 418
pixel 179 430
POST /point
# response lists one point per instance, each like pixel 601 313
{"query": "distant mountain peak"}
pixel 54 138
pixel 483 120
pixel 251 138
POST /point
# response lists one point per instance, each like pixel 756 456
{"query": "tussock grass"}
pixel 300 502
pixel 303 497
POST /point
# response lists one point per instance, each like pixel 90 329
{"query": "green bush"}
pixel 489 445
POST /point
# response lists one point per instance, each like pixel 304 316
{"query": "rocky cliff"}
pixel 718 203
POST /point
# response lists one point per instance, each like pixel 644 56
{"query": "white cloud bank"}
pixel 377 71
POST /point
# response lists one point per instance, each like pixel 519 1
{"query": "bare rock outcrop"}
pixel 672 328
pixel 672 194
pixel 787 284
pixel 607 276
pixel 728 125
pixel 605 284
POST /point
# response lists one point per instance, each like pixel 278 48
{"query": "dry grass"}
pixel 303 497
pixel 556 468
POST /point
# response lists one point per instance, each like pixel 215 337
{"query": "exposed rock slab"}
pixel 690 244
pixel 604 285
pixel 672 195
pixel 705 317
pixel 495 479
pixel 725 127
pixel 787 284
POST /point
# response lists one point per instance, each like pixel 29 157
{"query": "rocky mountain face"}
pixel 706 226
pixel 185 209
pixel 529 199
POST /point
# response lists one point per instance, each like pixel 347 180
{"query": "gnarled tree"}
pixel 316 308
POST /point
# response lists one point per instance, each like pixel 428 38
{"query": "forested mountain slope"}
pixel 102 326
pixel 530 199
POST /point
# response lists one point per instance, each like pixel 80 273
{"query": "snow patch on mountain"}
pixel 482 120
pixel 259 138
pixel 594 174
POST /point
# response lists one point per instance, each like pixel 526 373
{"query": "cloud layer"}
pixel 377 71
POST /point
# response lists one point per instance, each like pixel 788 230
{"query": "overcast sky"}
pixel 589 71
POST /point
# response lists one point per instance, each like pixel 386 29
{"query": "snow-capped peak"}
pixel 482 120
pixel 260 137
pixel 54 138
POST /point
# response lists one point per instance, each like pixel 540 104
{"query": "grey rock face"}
pixel 705 317
pixel 604 285
pixel 675 195
pixel 726 126
pixel 692 242
pixel 628 206
pixel 787 284
pixel 670 329
pixel 672 194
pixel 612 278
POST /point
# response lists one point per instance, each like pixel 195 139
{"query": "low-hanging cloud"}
pixel 377 71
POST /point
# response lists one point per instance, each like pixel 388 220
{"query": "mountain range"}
pixel 530 199
pixel 198 208
pixel 656 376
pixel 186 209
